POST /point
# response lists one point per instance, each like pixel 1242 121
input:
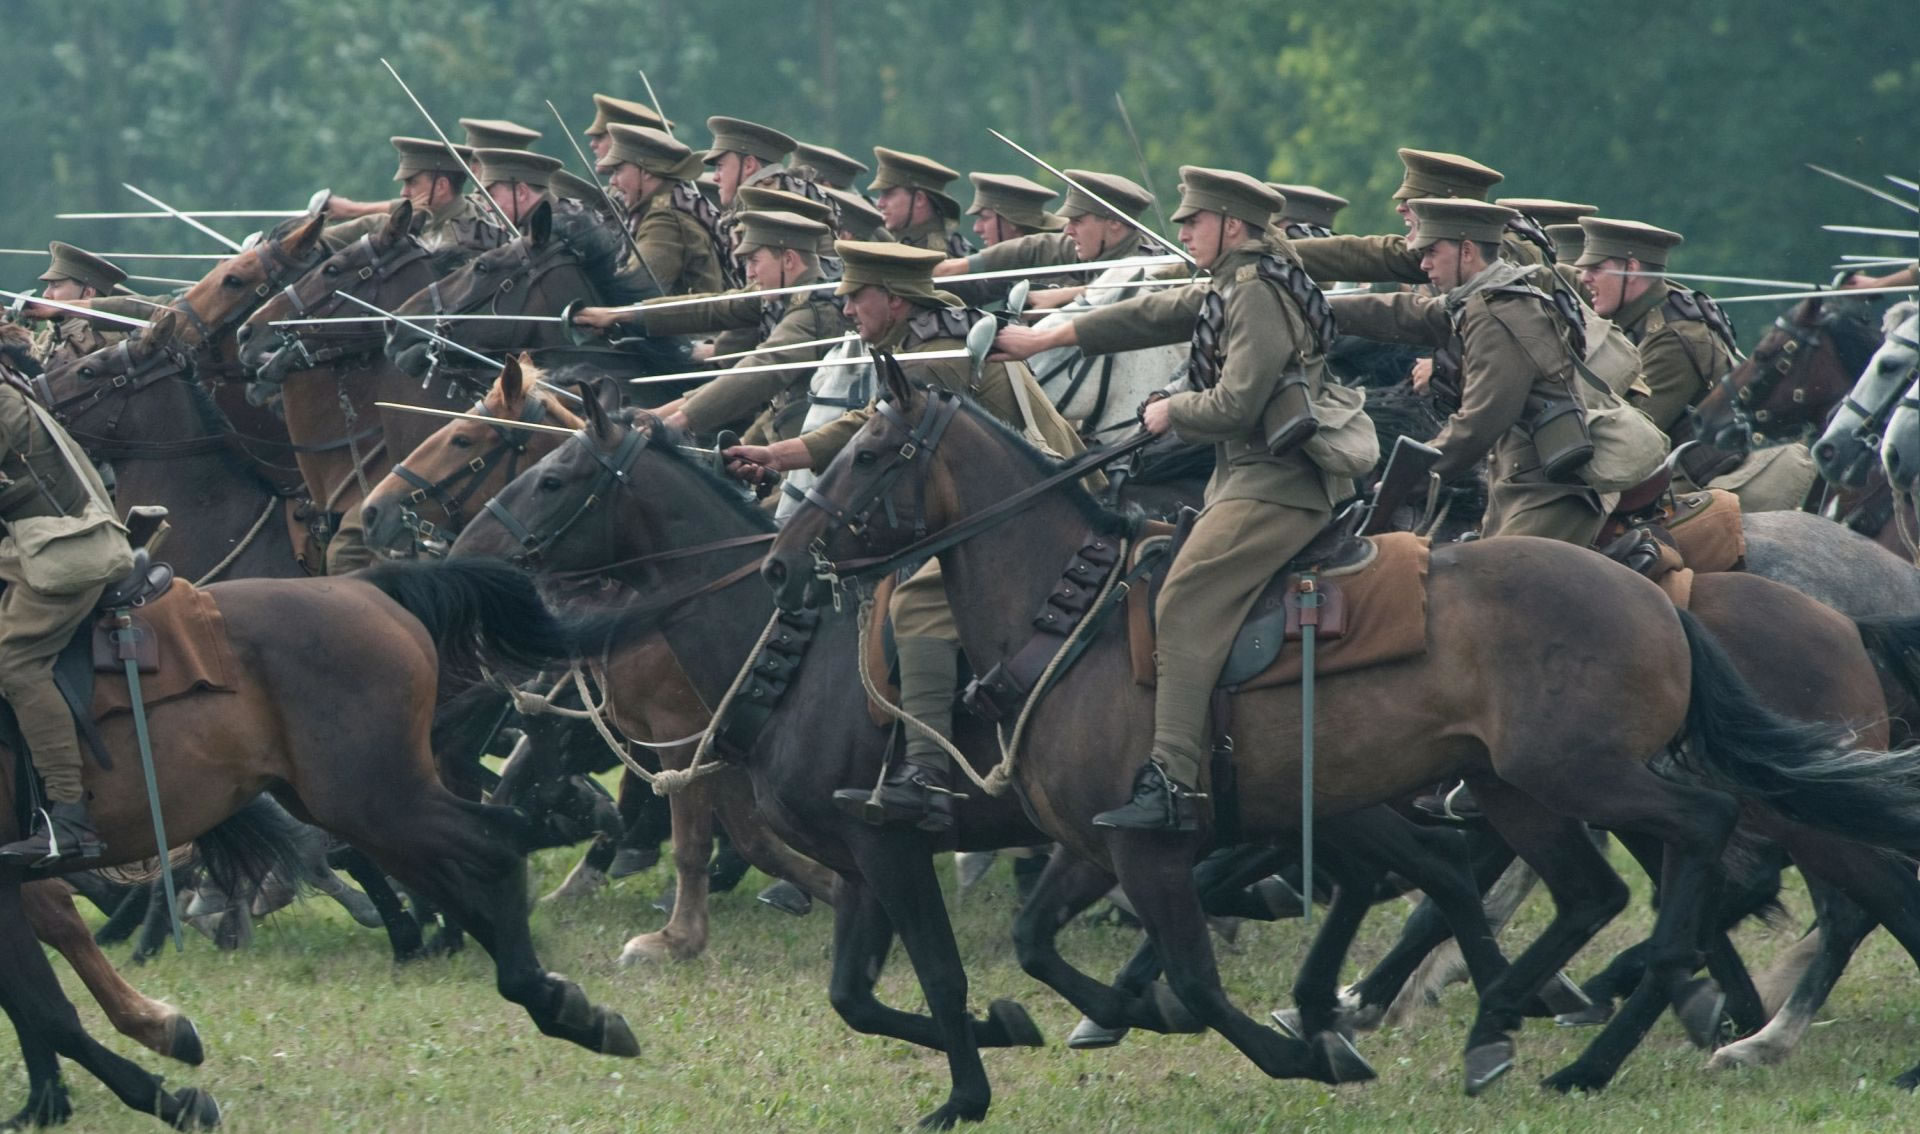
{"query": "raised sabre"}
pixel 414 322
pixel 1864 230
pixel 1140 155
pixel 502 422
pixel 1097 199
pixel 311 320
pixel 88 312
pixel 593 175
pixel 665 126
pixel 1865 188
pixel 201 214
pixel 775 367
pixel 178 215
pixel 1827 293
pixel 834 341
pixel 1909 186
pixel 1717 279
pixel 124 255
pixel 442 135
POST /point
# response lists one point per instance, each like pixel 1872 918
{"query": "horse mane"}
pixel 1898 314
pixel 600 248
pixel 215 421
pixel 1401 411
pixel 666 441
pixel 1856 332
pixel 1104 520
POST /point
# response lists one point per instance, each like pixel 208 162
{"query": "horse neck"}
pixel 549 294
pixel 330 414
pixel 996 580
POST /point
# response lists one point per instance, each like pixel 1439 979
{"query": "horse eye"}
pixel 461 441
pixel 866 458
pixel 86 372
pixel 234 281
pixel 332 269
pixel 551 483
pixel 482 267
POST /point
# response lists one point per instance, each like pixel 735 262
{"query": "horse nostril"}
pixel 1824 452
pixel 244 333
pixel 369 516
pixel 774 572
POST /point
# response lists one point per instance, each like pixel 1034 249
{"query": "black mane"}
pixel 666 441
pixel 600 247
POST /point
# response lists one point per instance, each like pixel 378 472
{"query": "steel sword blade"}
pixel 846 338
pixel 1864 230
pixel 499 421
pixel 1801 284
pixel 773 367
pixel 1865 188
pixel 88 312
pixel 203 214
pixel 442 135
pixel 177 214
pixel 1169 245
pixel 1827 293
pixel 414 323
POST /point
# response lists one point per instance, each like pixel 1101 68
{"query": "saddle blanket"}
pixel 1374 611
pixel 1709 538
pixel 194 653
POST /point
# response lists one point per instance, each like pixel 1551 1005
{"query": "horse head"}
pixel 364 269
pixel 1846 451
pixel 92 394
pixel 429 497
pixel 1900 449
pixel 226 295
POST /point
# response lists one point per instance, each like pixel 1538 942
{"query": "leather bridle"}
pixel 349 340
pixel 453 491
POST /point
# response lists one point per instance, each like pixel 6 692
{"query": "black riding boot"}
pixel 62 832
pixel 1159 803
pixel 914 790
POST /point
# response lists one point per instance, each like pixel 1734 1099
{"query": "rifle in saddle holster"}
pixel 1409 472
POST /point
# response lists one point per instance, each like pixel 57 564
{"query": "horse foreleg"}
pixel 756 842
pixel 1843 925
pixel 403 931
pixel 164 1029
pixel 48 1025
pixel 685 934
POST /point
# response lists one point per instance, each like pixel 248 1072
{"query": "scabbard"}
pixel 124 633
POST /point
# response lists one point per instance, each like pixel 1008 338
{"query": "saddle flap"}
pixel 113 645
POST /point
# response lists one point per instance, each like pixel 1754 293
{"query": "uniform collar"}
pixel 932 234
pixel 1634 311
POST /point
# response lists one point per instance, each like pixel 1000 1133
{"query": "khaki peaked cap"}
pixel 830 166
pixel 1569 240
pixel 760 199
pixel 1227 192
pixel 82 267
pixel 1454 218
pixel 523 166
pixel 650 149
pixel 738 136
pixel 778 230
pixel 498 134
pixel 1117 191
pixel 901 170
pixel 1609 239
pixel 429 155
pixel 1309 204
pixel 901 270
pixel 608 110
pixel 1018 199
pixel 1431 173
pixel 857 214
pixel 1547 211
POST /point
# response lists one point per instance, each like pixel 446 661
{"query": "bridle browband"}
pixel 453 491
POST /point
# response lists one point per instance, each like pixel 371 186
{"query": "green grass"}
pixel 313 1029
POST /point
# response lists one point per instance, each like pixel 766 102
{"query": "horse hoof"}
pixel 1592 1016
pixel 1170 1015
pixel 629 861
pixel 1575 1077
pixel 1485 1064
pixel 1907 1080
pixel 1280 900
pixel 1338 1060
pixel 48 1108
pixel 1747 1053
pixel 950 1115
pixel 1288 1021
pixel 616 1038
pixel 1087 1035
pixel 647 947
pixel 787 898
pixel 183 1042
pixel 1356 1015
pixel 969 867
pixel 198 1111
pixel 1563 997
pixel 1699 1010
pixel 1008 1022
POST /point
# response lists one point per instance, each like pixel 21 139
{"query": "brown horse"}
pixel 431 495
pixel 331 712
pixel 1533 649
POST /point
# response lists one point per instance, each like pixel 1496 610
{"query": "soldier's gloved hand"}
pixel 601 318
pixel 1154 417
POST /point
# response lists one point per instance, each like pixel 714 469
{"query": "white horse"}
pixel 1855 430
pixel 1900 354
pixel 1103 393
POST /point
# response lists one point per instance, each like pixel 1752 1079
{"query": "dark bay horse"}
pixel 626 502
pixel 462 466
pixel 1557 637
pixel 331 713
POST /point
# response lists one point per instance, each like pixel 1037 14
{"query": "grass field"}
pixel 314 1029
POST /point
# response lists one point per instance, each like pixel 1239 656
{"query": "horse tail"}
pixel 1807 770
pixel 473 607
pixel 255 841
pixel 1893 642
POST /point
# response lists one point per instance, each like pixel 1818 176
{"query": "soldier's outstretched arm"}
pixel 1359 259
pixel 1401 317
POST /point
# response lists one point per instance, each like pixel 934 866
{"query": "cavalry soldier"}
pixel 517 180
pixel 1548 214
pixel 498 134
pixel 780 249
pixel 747 153
pixel 858 219
pixel 431 177
pixel 1258 328
pixel 1569 241
pixel 891 298
pixel 675 227
pixel 74 275
pixel 1309 211
pixel 827 166
pixel 1685 341
pixel 1512 346
pixel 1089 231
pixel 38 478
pixel 1006 205
pixel 911 192
pixel 760 199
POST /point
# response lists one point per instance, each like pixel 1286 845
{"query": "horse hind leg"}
pixel 1843 924
pixel 48 1026
pixel 160 1027
pixel 684 937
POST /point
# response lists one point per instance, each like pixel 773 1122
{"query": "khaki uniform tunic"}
pixel 779 399
pixel 1680 359
pixel 1261 509
pixel 1510 347
pixel 676 248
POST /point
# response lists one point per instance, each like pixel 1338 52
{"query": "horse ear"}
pixel 165 325
pixel 399 223
pixel 604 390
pixel 511 384
pixel 304 236
pixel 895 377
pixel 540 223
pixel 596 414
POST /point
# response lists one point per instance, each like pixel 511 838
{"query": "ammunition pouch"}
pixel 1559 429
pixel 1288 420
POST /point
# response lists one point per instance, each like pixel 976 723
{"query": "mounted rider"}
pixel 1089 232
pixel 675 228
pixel 517 180
pixel 828 167
pixel 75 275
pixel 1259 330
pixel 891 298
pixel 432 178
pixel 50 591
pixel 1006 206
pixel 1686 343
pixel 780 250
pixel 911 192
pixel 760 199
pixel 1310 210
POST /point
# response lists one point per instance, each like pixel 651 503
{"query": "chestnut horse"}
pixel 331 712
pixel 1558 643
